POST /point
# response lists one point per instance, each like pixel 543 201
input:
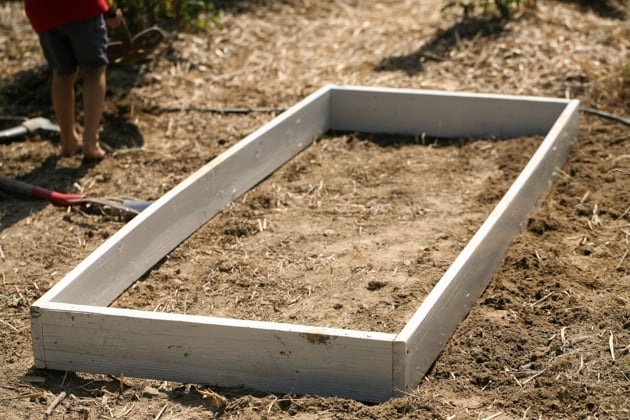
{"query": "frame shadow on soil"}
pixel 397 140
pixel 191 395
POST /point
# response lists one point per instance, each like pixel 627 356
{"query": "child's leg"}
pixel 58 52
pixel 88 48
pixel 93 99
pixel 62 91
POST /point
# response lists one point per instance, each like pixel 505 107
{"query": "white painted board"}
pixel 439 114
pixel 434 322
pixel 73 329
pixel 146 239
pixel 192 349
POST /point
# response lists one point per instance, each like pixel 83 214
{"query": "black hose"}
pixel 217 110
pixel 606 115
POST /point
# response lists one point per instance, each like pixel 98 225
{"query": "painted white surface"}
pixel 466 279
pixel 439 114
pixel 271 356
pixel 73 329
pixel 146 239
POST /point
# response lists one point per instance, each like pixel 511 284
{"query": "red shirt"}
pixel 48 14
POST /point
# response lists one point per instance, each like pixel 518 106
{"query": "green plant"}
pixel 504 7
pixel 183 14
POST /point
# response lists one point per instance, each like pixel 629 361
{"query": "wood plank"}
pixel 262 355
pixel 140 244
pixel 457 115
pixel 450 300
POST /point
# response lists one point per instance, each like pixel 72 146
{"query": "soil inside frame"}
pixel 352 233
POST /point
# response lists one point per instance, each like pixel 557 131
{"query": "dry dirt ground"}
pixel 355 230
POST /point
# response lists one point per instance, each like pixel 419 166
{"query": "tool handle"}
pixel 15 187
pixel 57 198
pixel 26 190
pixel 126 37
pixel 13 132
pixel 111 12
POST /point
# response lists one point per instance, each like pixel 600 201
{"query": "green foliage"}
pixel 183 14
pixel 504 7
pixel 624 88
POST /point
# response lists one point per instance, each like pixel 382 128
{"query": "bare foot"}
pixel 93 151
pixel 70 146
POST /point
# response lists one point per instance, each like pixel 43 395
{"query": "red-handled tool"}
pixel 29 191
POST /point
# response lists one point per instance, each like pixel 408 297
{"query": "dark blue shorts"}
pixel 82 43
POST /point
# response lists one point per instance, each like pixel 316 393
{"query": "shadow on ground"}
pixel 440 45
pixel 614 9
pixel 27 95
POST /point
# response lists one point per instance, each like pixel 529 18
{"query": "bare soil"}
pixel 356 230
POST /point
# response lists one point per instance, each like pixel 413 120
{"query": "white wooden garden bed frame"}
pixel 74 329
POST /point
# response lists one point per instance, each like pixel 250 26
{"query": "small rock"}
pixel 150 392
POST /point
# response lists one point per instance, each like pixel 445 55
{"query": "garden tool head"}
pixel 134 48
pixel 28 126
